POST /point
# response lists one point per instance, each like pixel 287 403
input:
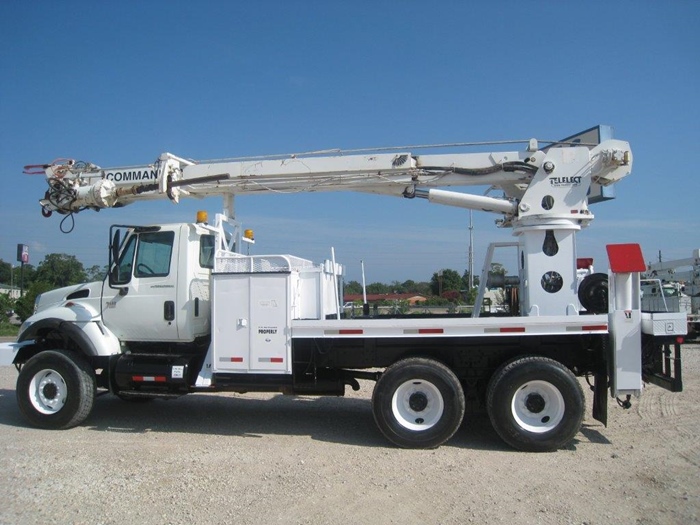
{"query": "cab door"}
pixel 140 302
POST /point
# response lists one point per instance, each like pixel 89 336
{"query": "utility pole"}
pixel 365 304
pixel 22 258
pixel 470 268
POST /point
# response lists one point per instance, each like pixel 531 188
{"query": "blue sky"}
pixel 118 83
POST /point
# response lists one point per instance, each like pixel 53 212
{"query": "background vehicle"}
pixel 674 286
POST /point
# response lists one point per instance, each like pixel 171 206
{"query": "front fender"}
pixel 90 337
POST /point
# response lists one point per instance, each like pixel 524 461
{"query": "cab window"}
pixel 154 254
pixel 206 251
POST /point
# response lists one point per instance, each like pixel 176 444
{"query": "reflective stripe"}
pixel 595 327
pixel 512 329
pixel 424 331
pixel 505 330
pixel 155 379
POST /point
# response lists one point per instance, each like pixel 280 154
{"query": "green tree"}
pixel 24 276
pixel 95 273
pixel 469 294
pixel 353 287
pixel 59 269
pixel 400 307
pixel 396 287
pixel 6 304
pixel 445 280
pixel 465 279
pixel 24 306
pixel 422 288
pixel 13 273
pixel 435 301
pixel 5 269
pixel 497 268
pixel 376 288
pixel 408 286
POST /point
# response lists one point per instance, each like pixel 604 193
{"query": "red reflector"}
pixel 430 331
pixel 276 360
pixel 351 332
pixel 626 258
pixel 595 327
pixel 512 329
pixel 679 340
pixel 236 359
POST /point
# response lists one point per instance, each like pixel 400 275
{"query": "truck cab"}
pixel 158 287
pixel 156 294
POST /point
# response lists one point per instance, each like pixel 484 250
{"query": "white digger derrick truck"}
pixel 674 286
pixel 184 310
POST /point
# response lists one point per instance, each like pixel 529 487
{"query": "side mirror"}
pixel 114 248
pixel 114 258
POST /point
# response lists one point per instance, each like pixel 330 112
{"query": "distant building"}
pixel 12 291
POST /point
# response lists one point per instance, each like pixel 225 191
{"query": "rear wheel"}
pixel 535 404
pixel 418 403
pixel 56 389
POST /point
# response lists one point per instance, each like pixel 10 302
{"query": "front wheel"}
pixel 535 404
pixel 56 390
pixel 418 403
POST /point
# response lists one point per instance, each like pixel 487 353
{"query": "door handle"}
pixel 169 310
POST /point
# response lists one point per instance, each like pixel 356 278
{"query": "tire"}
pixel 56 390
pixel 418 403
pixel 535 404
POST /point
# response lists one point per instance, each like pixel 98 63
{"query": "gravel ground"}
pixel 258 458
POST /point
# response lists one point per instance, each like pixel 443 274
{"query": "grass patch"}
pixel 8 330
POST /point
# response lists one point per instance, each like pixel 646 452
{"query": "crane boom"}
pixel 76 186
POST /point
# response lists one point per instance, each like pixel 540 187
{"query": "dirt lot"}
pixel 226 458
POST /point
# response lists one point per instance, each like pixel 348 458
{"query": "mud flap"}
pixel 600 398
